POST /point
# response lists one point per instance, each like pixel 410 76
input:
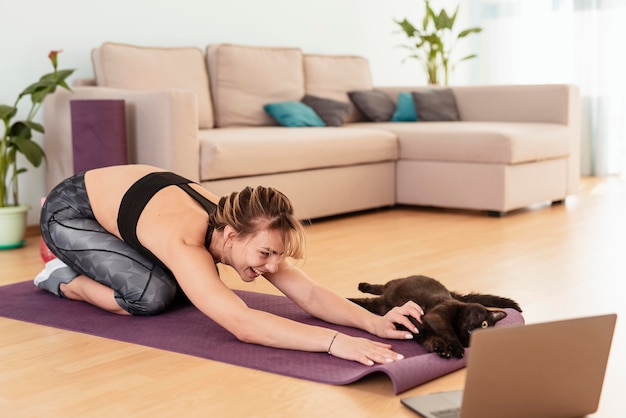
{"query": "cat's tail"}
pixel 489 301
pixel 374 289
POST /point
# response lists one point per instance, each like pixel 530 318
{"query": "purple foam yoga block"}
pixel 98 133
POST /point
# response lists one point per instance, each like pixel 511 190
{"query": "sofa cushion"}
pixel 247 151
pixel 293 114
pixel 435 105
pixel 154 69
pixel 479 142
pixel 332 112
pixel 374 104
pixel 245 78
pixel 333 76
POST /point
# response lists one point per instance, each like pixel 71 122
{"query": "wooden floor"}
pixel 557 261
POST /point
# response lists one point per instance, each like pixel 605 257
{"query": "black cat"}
pixel 449 318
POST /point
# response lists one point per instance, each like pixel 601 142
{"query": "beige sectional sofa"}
pixel 200 113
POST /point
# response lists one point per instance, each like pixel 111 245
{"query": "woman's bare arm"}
pixel 331 307
pixel 198 277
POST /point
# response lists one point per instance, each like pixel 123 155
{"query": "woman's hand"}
pixel 362 350
pixel 369 352
pixel 385 326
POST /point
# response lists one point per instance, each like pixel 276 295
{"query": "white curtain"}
pixel 562 41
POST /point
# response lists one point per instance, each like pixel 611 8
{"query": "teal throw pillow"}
pixel 293 114
pixel 405 109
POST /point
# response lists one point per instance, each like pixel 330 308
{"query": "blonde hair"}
pixel 253 210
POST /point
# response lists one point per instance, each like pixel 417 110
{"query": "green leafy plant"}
pixel 17 135
pixel 433 43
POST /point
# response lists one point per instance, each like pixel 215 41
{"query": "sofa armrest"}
pixel 161 130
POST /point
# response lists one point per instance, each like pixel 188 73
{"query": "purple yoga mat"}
pixel 98 133
pixel 183 329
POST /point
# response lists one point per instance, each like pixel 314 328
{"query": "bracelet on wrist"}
pixel 332 341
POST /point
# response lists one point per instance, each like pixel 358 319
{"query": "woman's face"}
pixel 257 254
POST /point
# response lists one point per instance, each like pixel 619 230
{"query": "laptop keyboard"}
pixel 447 413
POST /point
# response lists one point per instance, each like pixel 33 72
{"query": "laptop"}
pixel 547 370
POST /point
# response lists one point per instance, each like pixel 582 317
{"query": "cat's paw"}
pixel 448 349
pixel 456 349
pixel 439 347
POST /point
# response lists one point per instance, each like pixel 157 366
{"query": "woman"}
pixel 128 237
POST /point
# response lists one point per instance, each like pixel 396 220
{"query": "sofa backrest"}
pixel 245 78
pixel 153 69
pixel 333 76
pixel 233 82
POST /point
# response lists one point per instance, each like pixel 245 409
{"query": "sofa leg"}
pixel 496 214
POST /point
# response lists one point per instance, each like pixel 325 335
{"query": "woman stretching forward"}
pixel 129 237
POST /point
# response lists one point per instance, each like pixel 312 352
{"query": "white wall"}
pixel 31 28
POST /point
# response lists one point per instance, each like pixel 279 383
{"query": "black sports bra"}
pixel 139 194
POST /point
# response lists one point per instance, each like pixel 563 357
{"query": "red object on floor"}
pixel 46 254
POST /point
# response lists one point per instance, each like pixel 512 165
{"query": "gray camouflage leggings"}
pixel 70 230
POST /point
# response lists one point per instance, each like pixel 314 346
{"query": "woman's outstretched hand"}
pixel 385 326
pixel 362 350
pixel 370 352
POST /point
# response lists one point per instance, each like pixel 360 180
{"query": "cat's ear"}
pixel 497 314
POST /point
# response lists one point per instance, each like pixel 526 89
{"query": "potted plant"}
pixel 17 139
pixel 434 42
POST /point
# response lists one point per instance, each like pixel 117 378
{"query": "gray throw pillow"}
pixel 435 105
pixel 332 112
pixel 374 104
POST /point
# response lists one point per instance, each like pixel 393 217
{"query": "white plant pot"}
pixel 13 226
